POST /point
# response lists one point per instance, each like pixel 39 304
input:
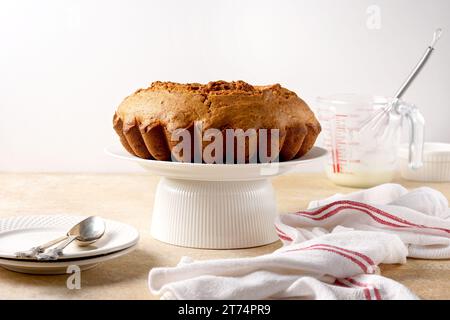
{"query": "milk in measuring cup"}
pixel 357 158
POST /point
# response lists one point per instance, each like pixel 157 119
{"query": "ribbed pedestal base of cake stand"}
pixel 215 206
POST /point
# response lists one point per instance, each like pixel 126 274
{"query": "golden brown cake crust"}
pixel 146 119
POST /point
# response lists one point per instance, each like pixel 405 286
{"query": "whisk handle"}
pixel 414 73
pixel 416 132
pixel 436 36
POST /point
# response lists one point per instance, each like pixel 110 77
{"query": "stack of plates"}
pixel 25 232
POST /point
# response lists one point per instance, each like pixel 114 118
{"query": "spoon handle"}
pixel 55 253
pixel 31 253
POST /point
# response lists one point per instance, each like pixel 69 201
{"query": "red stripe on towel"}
pixel 398 219
pixel 283 237
pixel 345 255
pixel 341 284
pixel 356 253
pixel 373 209
pixel 282 234
pixel 367 286
pixel 339 209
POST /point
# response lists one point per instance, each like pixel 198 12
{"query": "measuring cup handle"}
pixel 416 133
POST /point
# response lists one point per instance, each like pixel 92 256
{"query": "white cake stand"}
pixel 215 206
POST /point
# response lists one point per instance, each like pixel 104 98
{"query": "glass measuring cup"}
pixel 362 135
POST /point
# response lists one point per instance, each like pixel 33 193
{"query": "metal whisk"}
pixel 380 117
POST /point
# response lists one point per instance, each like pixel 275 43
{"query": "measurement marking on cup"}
pixel 338 166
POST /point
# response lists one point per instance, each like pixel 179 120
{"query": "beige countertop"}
pixel 129 198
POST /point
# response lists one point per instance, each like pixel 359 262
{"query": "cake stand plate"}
pixel 215 206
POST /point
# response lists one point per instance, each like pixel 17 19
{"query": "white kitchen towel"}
pixel 331 251
pixel 418 217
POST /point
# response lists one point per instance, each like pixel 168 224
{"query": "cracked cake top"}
pixel 165 107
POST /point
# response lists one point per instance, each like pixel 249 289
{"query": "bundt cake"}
pixel 147 120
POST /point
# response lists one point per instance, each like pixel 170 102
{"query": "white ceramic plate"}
pixel 24 232
pixel 59 267
pixel 216 172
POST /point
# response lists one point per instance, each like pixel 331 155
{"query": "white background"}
pixel 66 65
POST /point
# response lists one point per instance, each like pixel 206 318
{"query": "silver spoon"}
pixel 85 232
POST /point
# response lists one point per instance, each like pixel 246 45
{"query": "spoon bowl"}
pixel 88 231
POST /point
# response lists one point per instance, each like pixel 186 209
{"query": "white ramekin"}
pixel 436 163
